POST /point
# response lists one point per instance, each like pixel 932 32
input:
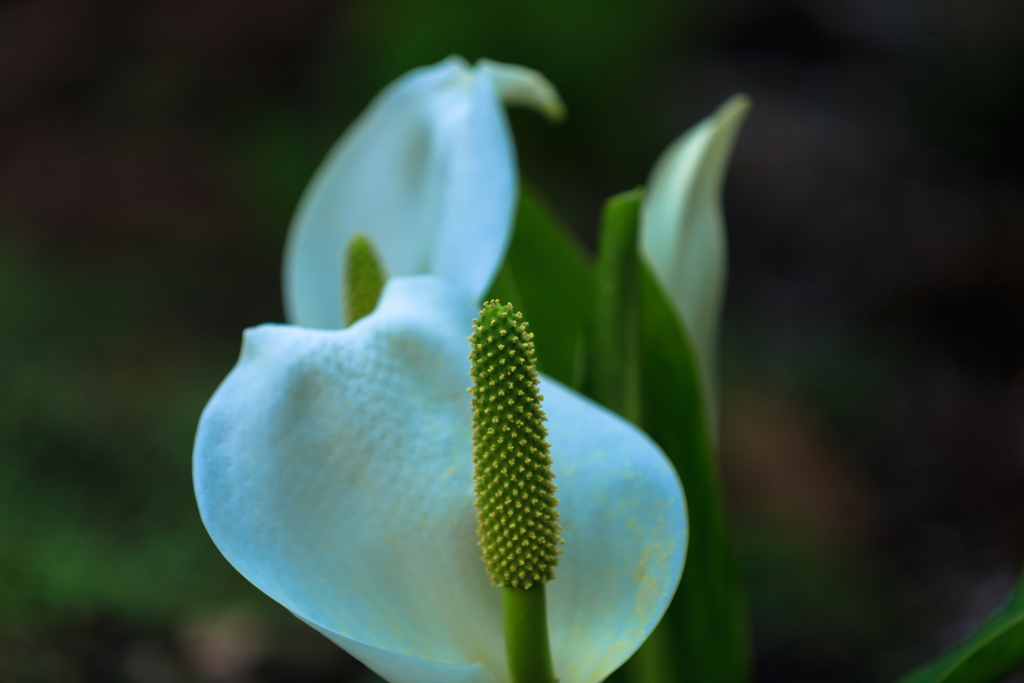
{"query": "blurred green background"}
pixel 151 154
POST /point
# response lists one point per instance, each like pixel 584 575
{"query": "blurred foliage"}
pixel 614 377
pixel 989 656
pixel 98 413
pixel 547 277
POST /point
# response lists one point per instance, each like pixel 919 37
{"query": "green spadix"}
pixel 364 278
pixel 515 493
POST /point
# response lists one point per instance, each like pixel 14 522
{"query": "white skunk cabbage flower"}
pixel 428 172
pixel 333 469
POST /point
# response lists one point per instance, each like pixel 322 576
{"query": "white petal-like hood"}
pixel 333 469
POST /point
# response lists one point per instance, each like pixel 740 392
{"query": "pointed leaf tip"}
pixel 682 233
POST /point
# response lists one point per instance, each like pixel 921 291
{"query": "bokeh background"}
pixel 151 153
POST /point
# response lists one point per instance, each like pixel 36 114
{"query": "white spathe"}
pixel 428 171
pixel 682 227
pixel 333 469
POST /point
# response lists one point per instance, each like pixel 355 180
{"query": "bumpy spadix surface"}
pixel 515 495
pixel 333 468
pixel 428 171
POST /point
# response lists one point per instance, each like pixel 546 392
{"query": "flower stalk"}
pixel 524 614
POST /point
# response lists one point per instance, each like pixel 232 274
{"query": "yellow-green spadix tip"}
pixel 364 278
pixel 515 496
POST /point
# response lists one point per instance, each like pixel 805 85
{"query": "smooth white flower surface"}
pixel 682 226
pixel 428 171
pixel 333 468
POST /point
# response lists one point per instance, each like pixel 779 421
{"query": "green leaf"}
pixel 682 233
pixel 547 277
pixel 643 365
pixel 990 655
pixel 707 619
pixel 614 345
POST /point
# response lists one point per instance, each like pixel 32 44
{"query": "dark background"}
pixel 151 154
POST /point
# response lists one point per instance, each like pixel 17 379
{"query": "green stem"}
pixel 526 635
pixel 652 663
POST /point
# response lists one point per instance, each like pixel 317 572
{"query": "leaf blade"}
pixel 707 618
pixel 994 652
pixel 548 277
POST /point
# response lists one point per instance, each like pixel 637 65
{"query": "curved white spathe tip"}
pixel 428 171
pixel 519 86
pixel 333 469
pixel 682 229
